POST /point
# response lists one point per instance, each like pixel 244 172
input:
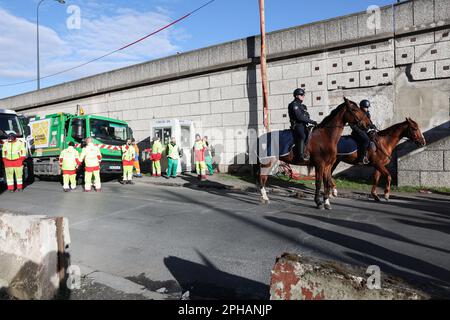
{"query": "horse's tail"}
pixel 310 168
pixel 256 170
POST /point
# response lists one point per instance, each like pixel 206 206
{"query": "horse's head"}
pixel 413 132
pixel 354 115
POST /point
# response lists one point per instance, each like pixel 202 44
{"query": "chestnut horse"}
pixel 322 147
pixel 386 141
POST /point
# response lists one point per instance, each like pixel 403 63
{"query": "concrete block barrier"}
pixel 32 255
pixel 296 277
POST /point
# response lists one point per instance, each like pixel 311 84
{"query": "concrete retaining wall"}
pixel 402 67
pixel 29 256
pixel 299 278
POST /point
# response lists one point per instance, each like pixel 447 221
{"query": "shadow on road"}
pixel 208 282
pixel 435 279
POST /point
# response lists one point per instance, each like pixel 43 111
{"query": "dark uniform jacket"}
pixel 361 132
pixel 298 113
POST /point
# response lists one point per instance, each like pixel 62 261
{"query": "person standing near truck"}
pixel 199 154
pixel 156 154
pixel 136 165
pixel 69 160
pixel 92 157
pixel 173 155
pixel 128 157
pixel 14 154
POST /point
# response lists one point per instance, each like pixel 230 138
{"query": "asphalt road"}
pixel 222 244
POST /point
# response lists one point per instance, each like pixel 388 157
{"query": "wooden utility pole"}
pixel 264 67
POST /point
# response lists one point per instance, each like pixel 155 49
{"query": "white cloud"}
pixel 99 34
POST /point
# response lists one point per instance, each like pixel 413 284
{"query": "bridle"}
pixel 358 120
pixel 410 135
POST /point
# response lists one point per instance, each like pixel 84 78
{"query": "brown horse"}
pixel 322 148
pixel 379 158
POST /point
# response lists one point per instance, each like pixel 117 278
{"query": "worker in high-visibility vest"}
pixel 136 165
pixel 128 154
pixel 92 157
pixel 69 160
pixel 173 155
pixel 208 156
pixel 156 154
pixel 14 154
pixel 199 156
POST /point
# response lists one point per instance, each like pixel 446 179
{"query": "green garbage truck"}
pixel 52 133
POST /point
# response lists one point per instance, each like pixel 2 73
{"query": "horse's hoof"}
pixel 376 198
pixel 264 201
pixel 328 206
pixel 335 193
pixel 320 206
pixel 386 197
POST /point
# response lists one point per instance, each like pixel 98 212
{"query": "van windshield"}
pixel 109 132
pixel 10 123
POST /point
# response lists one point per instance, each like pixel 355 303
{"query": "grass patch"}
pixel 366 185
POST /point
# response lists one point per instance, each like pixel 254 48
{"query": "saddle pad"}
pixel 275 144
pixel 346 145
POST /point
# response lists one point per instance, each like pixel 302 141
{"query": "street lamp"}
pixel 37 28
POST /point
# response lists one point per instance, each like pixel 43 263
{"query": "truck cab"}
pixel 53 132
pixel 10 122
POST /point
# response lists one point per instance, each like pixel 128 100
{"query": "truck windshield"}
pixel 108 132
pixel 9 123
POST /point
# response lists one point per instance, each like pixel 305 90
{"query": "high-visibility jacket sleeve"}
pixel 23 150
pixel 77 159
pixel 99 155
pixel 61 157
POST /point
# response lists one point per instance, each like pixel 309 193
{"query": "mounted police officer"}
pixel 361 136
pixel 299 118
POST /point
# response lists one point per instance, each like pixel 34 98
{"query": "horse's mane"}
pixel 388 130
pixel 331 116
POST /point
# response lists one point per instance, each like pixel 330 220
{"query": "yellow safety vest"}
pixel 91 156
pixel 129 153
pixel 14 150
pixel 173 151
pixel 157 147
pixel 69 158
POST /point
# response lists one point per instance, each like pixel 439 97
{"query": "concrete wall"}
pixel 401 64
pixel 29 256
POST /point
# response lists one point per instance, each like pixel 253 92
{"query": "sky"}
pixel 81 30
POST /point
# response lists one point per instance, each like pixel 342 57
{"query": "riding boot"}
pixel 362 158
pixel 366 158
pixel 302 154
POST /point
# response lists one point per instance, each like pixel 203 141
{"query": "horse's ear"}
pixel 345 99
pixel 408 120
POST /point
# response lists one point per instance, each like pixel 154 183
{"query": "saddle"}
pixel 348 145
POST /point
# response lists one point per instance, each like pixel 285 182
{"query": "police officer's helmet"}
pixel 299 92
pixel 12 135
pixel 364 103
